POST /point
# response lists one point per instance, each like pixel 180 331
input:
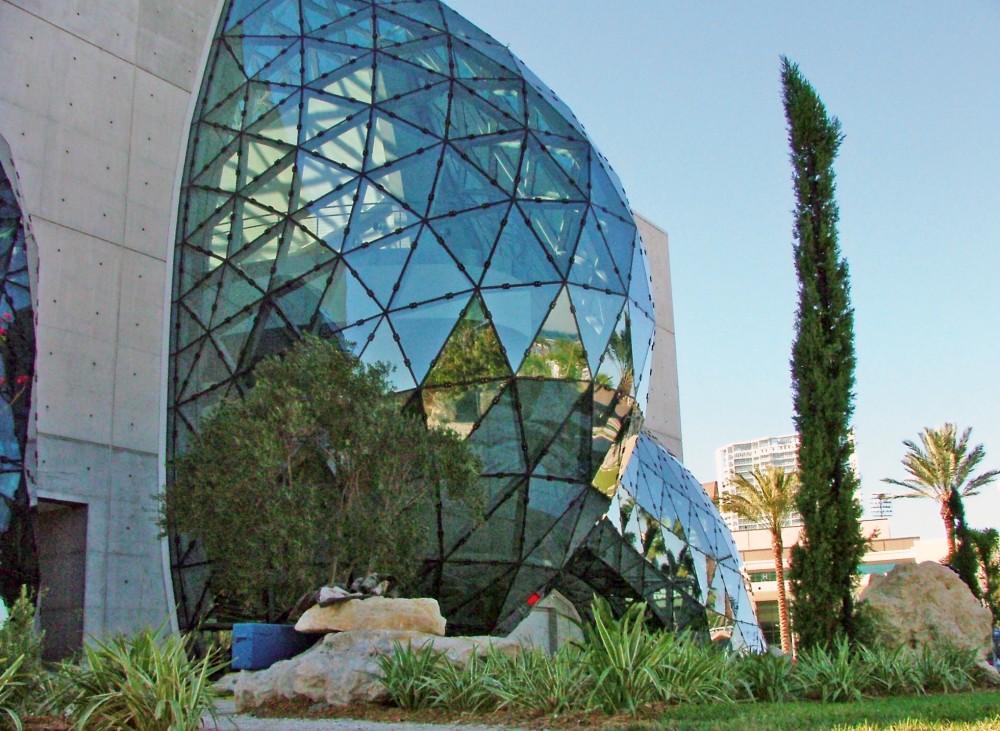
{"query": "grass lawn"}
pixel 975 711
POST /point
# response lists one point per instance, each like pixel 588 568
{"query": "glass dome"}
pixel 386 174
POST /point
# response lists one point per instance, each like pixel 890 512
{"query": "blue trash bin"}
pixel 259 646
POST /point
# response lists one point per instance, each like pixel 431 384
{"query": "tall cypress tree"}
pixel 825 562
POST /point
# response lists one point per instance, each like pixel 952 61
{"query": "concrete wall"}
pixel 664 417
pixel 94 101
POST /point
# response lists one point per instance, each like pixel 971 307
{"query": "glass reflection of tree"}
pixel 556 357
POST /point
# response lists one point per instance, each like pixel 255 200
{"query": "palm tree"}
pixel 940 468
pixel 767 497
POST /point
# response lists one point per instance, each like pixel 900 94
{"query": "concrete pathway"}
pixel 230 720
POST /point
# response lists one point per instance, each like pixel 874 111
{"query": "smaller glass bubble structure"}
pixel 663 540
pixel 18 560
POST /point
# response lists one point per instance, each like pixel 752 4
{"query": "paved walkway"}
pixel 230 720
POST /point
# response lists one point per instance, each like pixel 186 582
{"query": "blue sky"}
pixel 684 100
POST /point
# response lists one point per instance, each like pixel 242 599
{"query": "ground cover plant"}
pixel 622 666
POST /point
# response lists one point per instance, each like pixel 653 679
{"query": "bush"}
pixel 832 674
pixel 140 682
pixel 21 657
pixel 767 677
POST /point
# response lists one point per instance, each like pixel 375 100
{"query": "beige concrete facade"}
pixel 94 102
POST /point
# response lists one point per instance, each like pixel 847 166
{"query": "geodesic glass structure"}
pixel 386 174
pixel 18 561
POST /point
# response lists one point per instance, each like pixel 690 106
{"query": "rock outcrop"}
pixel 343 667
pixel 415 615
pixel 927 604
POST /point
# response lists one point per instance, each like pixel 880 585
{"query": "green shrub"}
pixel 20 644
pixel 694 672
pixel 833 674
pixel 405 673
pixel 946 668
pixel 139 682
pixel 534 681
pixel 890 672
pixel 767 677
pixel 9 687
pixel 464 688
pixel 624 657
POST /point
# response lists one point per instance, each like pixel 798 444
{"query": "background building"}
pixel 740 458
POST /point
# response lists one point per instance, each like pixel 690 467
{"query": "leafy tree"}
pixel 940 468
pixel 987 546
pixel 314 476
pixel 825 562
pixel 767 497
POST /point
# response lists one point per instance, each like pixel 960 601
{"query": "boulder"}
pixel 928 604
pixel 416 615
pixel 343 667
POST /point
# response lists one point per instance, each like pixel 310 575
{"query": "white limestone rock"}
pixel 343 667
pixel 416 615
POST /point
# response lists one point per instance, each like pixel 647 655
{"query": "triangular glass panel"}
pixel 567 454
pixel 272 334
pixel 344 144
pixel 620 236
pixel 322 57
pixel 459 26
pixel 281 123
pixel 273 18
pixel 497 53
pixel 234 294
pixel 227 76
pixel 258 260
pixel 229 113
pixel 604 193
pixel 394 139
pixel 300 302
pixel 353 338
pixel 430 54
pixel 542 116
pixel 498 156
pixel 542 178
pixel 316 178
pixel 639 290
pixel 240 9
pixel 557 225
pixel 224 171
pixel 471 64
pixel 426 13
pixel 642 345
pixel 552 512
pixel 262 97
pixel 254 54
pixel 616 370
pixel 285 69
pixel 426 110
pixel 410 180
pixel 507 96
pixel 383 348
pixel 545 406
pixel 352 82
pixel 249 223
pixel 517 313
pixel 380 264
pixel 596 313
pixel 375 215
pixel 431 273
pixel 394 79
pixel 348 301
pixel 319 13
pixel 459 408
pixel 321 113
pixel 460 186
pixel 573 157
pixel 298 254
pixel 561 109
pixel 327 218
pixel 352 30
pixel 592 262
pixel 423 330
pixel 519 258
pixel 394 29
pixel 472 352
pixel 232 335
pixel 557 351
pixel 209 145
pixel 497 440
pixel 472 116
pixel 470 236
